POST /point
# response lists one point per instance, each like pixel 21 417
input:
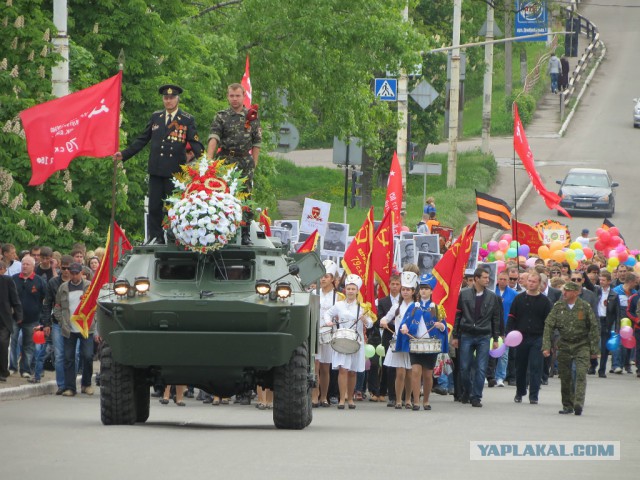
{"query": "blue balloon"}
pixel 613 343
pixel 630 262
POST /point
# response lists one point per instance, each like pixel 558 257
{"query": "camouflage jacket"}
pixel 577 326
pixel 230 130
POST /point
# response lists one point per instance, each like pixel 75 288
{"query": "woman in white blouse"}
pixel 400 358
pixel 350 314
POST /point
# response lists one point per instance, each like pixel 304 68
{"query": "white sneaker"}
pixel 617 370
pixel 486 382
pixel 28 375
pixel 499 383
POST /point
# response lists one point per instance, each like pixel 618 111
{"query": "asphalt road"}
pixel 62 439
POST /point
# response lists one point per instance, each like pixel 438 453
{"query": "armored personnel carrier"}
pixel 225 321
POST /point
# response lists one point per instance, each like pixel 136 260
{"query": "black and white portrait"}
pixel 492 268
pixel 473 258
pixel 292 225
pixel 282 234
pixel 426 262
pixel 335 239
pixel 406 252
pixel 427 243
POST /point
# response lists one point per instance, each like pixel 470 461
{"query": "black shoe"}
pixel 533 401
pixel 628 370
pixel 156 394
pixel 591 371
pixel 517 398
pixel 492 382
pixel 611 371
pixel 566 411
pixel 246 236
pixel 439 390
pixel 602 375
pixel 545 382
pixel 3 379
pixel 464 400
pixel 188 394
pixel 578 410
pixel 60 391
pixel 476 403
pixel 512 383
pixel 164 401
pixel 341 406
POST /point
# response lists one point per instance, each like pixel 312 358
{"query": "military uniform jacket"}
pixel 230 130
pixel 577 326
pixel 168 142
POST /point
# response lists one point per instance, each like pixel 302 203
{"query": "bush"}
pixel 526 105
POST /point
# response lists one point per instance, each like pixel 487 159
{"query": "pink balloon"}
pixel 615 240
pixel 498 352
pixel 507 237
pixel 612 254
pixel 503 245
pixel 605 237
pixel 500 265
pixel 627 342
pixel 492 246
pixel 531 262
pixel 626 332
pixel 513 338
pixel 621 248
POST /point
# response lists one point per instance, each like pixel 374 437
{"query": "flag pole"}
pixel 514 226
pixel 112 220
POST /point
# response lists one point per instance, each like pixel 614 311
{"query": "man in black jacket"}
pixel 478 320
pixel 609 317
pixel 168 130
pixel 10 308
pixel 388 377
pixel 528 313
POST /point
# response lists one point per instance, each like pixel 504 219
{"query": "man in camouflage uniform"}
pixel 579 337
pixel 237 132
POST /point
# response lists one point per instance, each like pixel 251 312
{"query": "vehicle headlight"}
pixel 283 290
pixel 121 287
pixel 604 198
pixel 142 285
pixel 263 287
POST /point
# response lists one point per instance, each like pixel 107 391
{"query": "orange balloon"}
pixel 558 255
pixel 556 245
pixel 499 255
pixel 544 252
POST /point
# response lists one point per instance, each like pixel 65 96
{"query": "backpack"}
pixel 632 310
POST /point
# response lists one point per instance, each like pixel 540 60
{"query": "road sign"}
pixel 386 89
pixel 424 94
pixel 287 138
pixel 497 33
pixel 340 151
pixel 426 168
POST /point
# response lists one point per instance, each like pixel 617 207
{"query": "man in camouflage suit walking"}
pixel 237 132
pixel 579 338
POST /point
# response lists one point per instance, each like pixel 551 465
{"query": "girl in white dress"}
pixel 324 356
pixel 400 358
pixel 350 314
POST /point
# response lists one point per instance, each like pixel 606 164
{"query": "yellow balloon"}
pixel 575 246
pixel 555 245
pixel 625 322
pixel 610 269
pixel 573 264
pixel 614 262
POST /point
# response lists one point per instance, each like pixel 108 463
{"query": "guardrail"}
pixel 590 30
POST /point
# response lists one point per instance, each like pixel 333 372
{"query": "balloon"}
pixel 38 337
pixel 623 256
pixel 498 352
pixel 610 269
pixel 614 231
pixel 511 253
pixel 483 252
pixel 524 250
pixel 556 245
pixel 630 262
pixel 531 262
pixel 492 256
pixel 625 322
pixel 544 252
pixel 627 342
pixel 573 265
pixel 613 262
pixel 615 240
pixel 579 254
pixel 575 245
pixel 570 254
pixel 369 351
pixel 626 332
pixel 367 363
pixel 380 351
pixel 484 245
pixel 514 244
pixel 605 237
pixel 499 255
pixel 513 338
pixel 613 343
pixel 501 265
pixel 558 255
pixel 503 245
pixel 507 237
pixel 588 253
pixel 500 341
pixel 636 268
pixel 620 248
pixel 599 246
pixel 492 246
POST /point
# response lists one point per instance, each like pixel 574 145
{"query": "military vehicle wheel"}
pixel 291 392
pixel 143 399
pixel 117 401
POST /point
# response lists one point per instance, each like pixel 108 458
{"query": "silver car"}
pixel 636 113
pixel 588 190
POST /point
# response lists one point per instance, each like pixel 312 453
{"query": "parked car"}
pixel 588 190
pixel 636 112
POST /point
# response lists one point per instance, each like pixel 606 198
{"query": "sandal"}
pixel 224 401
pixel 416 407
pixel 164 401
pixel 341 406
pixel 181 404
pixel 261 406
pixel 314 405
pixel 269 406
pixel 398 406
pixel 352 406
pixel 427 407
pixel 215 402
pixel 408 406
pixel 325 404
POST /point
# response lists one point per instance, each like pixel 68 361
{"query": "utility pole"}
pixel 508 49
pixel 488 83
pixel 60 71
pixel 454 96
pixel 403 116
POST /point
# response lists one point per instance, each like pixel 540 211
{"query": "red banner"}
pixel 521 145
pixel 393 200
pixel 309 244
pixel 265 221
pixel 382 256
pixel 449 272
pixel 246 84
pixel 85 311
pixel 84 123
pixel 356 258
pixel 526 234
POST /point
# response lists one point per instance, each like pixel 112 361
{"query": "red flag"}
pixel 357 259
pixel 526 235
pixel 382 256
pixel 246 84
pixel 449 272
pixel 393 200
pixel 309 244
pixel 84 123
pixel 85 311
pixel 265 221
pixel 521 145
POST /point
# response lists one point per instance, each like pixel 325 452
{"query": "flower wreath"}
pixel 206 205
pixel 553 225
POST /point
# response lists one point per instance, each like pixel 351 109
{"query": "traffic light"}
pixel 356 187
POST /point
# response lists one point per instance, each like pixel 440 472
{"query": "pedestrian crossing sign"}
pixel 386 89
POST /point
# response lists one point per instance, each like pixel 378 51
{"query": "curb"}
pixel 26 391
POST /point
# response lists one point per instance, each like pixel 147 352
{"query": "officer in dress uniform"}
pixel 169 130
pixel 237 132
pixel 333 240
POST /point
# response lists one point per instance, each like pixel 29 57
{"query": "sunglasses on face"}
pixel 64 268
pixel 578 279
pixel 513 279
pixel 555 272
